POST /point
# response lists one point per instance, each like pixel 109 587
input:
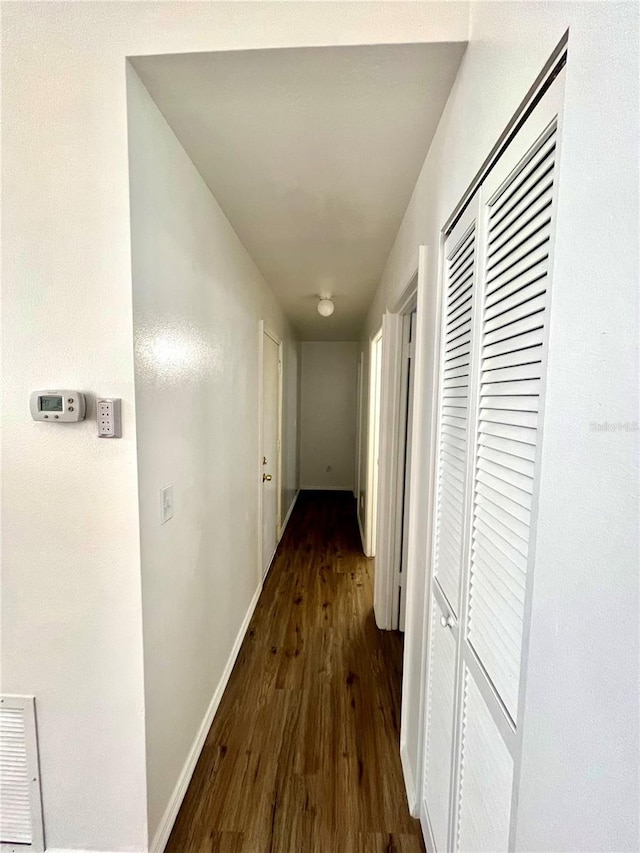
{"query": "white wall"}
pixel 71 630
pixel 197 302
pixel 579 776
pixel 328 415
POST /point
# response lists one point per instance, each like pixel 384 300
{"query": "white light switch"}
pixel 166 503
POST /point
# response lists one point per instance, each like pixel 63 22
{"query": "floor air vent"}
pixel 20 803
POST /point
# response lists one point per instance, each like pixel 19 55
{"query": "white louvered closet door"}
pixel 451 488
pixel 515 239
pixel 493 332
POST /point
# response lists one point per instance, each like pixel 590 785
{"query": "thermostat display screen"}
pixel 50 404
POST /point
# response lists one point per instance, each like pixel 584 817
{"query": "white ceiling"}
pixel 313 155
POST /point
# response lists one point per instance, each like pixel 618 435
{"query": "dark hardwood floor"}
pixel 303 755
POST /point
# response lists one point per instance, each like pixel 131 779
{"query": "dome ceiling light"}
pixel 326 306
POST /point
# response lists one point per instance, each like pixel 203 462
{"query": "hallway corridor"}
pixel 303 755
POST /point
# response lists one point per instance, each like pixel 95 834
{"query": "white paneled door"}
pixel 493 333
pixel 270 465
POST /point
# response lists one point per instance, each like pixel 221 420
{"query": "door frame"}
pixel 373 442
pixel 422 464
pixel 265 330
pixel 358 483
pixel 393 422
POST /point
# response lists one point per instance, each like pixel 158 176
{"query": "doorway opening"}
pixel 403 488
pixel 398 371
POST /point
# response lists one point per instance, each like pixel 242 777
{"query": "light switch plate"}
pixel 166 503
pixel 109 417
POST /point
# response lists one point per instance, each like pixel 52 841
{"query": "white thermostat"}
pixel 58 406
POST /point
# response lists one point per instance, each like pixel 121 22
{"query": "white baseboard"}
pixel 283 527
pixel 326 488
pixel 409 784
pixel 168 819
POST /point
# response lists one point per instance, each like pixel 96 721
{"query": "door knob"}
pixel 264 460
pixel 446 621
pixel 266 477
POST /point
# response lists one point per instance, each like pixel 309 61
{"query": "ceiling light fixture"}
pixel 326 306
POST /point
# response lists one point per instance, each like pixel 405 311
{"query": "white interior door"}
pixel 270 447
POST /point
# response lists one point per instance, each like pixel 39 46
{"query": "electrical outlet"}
pixel 166 503
pixel 108 417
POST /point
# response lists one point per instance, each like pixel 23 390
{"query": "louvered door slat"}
pixel 529 370
pixel 462 296
pixel 461 315
pixel 516 387
pixel 500 579
pixel 487 491
pixel 508 264
pixel 524 308
pixel 459 324
pixel 508 301
pixel 457 347
pixel 507 331
pixel 460 306
pixel 539 167
pixel 514 315
pixel 514 344
pixel 512 554
pixel 535 255
pixel 509 417
pixel 503 487
pixel 461 273
pixel 531 281
pixel 453 436
pixel 531 234
pixel 524 212
pixel 485 544
pixel 516 463
pixel 461 262
pixel 491 509
pixel 456 372
pixel 512 446
pixel 456 425
pixel 499 600
pixel 463 253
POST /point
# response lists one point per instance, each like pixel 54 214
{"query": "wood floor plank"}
pixel 303 755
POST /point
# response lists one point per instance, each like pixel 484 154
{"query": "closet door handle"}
pixel 446 621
